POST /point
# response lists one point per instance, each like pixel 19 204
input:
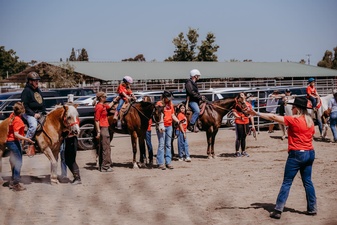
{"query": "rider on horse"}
pixel 193 98
pixel 312 94
pixel 125 95
pixel 34 105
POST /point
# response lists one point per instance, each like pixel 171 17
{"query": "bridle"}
pixel 152 115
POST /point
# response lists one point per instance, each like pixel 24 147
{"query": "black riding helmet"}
pixel 33 76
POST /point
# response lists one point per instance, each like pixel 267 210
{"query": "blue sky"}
pixel 261 30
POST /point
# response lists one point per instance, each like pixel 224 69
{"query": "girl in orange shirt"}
pixel 15 133
pixel 181 134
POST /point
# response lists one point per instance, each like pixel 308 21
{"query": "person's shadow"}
pixel 269 207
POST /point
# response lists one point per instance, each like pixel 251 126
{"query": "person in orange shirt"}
pixel 102 129
pixel 16 133
pixel 181 135
pixel 242 127
pixel 301 154
pixel 164 154
pixel 148 135
pixel 312 94
pixel 125 95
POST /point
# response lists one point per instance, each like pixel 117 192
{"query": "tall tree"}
pixel 9 63
pixel 208 49
pixel 334 61
pixel 72 55
pixel 84 55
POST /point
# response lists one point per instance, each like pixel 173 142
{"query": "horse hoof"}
pixel 54 181
pixel 209 157
pixel 141 165
pixel 135 166
pixel 213 156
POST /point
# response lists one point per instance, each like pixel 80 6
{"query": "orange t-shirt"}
pixel 17 125
pixel 150 124
pixel 181 117
pixel 122 88
pixel 168 111
pixel 299 135
pixel 241 114
pixel 101 114
pixel 311 91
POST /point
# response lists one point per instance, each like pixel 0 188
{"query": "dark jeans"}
pixel 298 161
pixel 313 101
pixel 15 159
pixel 149 145
pixel 70 155
pixel 241 131
pixel 104 156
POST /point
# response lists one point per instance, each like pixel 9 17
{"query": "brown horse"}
pixel 135 123
pixel 61 119
pixel 210 119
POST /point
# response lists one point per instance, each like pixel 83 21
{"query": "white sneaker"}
pixel 180 159
pixel 188 159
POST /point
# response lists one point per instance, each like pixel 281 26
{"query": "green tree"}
pixel 72 55
pixel 63 76
pixel 84 55
pixel 334 61
pixel 9 63
pixel 185 48
pixel 208 49
pixel 137 58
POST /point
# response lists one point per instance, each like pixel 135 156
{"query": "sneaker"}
pixel 77 181
pixel 237 154
pixel 169 166
pixel 109 169
pixel 161 167
pixel 180 159
pixel 190 127
pixel 188 159
pixel 244 153
pixel 275 214
pixel 18 187
pixel 311 213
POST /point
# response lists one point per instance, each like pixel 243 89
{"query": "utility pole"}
pixel 308 57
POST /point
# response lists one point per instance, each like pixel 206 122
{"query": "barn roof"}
pixel 110 71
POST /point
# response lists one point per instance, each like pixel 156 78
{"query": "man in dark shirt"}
pixel 193 97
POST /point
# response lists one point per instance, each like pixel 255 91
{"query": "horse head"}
pixel 70 118
pixel 240 105
pixel 158 118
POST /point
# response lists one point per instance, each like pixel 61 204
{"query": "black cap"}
pixel 287 90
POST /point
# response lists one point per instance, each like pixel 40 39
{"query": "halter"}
pixel 154 109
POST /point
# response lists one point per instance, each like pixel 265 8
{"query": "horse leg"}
pixel 209 141
pixel 141 143
pixel 213 141
pixel 53 163
pixel 134 149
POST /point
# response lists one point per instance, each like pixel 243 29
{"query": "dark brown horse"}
pixel 135 123
pixel 210 119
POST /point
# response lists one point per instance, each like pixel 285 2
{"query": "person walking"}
pixel 33 102
pixel 164 155
pixel 193 98
pixel 301 154
pixel 16 133
pixel 332 107
pixel 183 152
pixel 102 130
pixel 242 127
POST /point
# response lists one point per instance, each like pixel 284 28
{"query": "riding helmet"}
pixel 195 72
pixel 128 79
pixel 311 80
pixel 33 76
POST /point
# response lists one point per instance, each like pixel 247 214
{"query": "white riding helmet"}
pixel 194 73
pixel 128 79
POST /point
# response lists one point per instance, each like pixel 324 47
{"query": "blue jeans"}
pixel 15 159
pixel 63 161
pixel 32 124
pixel 333 123
pixel 120 104
pixel 196 111
pixel 182 145
pixel 149 145
pixel 164 146
pixel 298 161
pixel 313 101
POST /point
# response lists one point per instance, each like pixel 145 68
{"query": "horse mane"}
pixel 71 111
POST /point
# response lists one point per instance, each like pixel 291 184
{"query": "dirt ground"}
pixel 224 190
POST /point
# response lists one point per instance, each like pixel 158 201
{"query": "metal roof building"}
pixel 110 71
